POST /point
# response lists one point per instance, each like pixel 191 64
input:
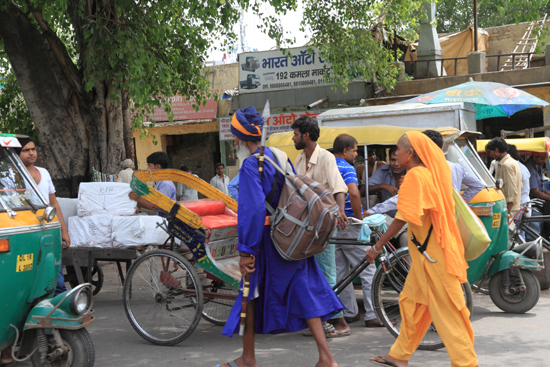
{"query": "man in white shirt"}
pixel 184 192
pixel 44 182
pixel 220 181
pixel 127 171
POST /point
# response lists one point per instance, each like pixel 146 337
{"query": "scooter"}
pixel 35 325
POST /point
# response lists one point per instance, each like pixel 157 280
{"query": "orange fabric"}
pixel 429 190
pixel 237 125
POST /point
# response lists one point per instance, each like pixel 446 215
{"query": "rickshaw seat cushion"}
pixel 218 221
pixel 205 207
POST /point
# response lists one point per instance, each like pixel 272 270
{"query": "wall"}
pixel 145 145
pixel 222 78
pixel 503 40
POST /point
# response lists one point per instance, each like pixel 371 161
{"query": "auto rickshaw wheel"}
pixel 515 303
pixel 97 277
pixel 81 352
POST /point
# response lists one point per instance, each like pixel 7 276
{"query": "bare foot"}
pixel 397 362
pixel 341 325
pixel 327 364
pixel 5 356
pixel 240 362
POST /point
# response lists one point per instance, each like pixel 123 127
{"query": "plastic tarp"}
pixel 472 231
pixel 69 207
pixel 91 231
pixel 105 198
pixel 137 230
pixel 458 44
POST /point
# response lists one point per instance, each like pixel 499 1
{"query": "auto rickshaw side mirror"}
pixel 499 183
pixel 49 213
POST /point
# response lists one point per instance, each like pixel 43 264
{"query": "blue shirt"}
pixel 383 175
pixel 233 188
pixel 350 176
pixel 167 188
pixel 535 181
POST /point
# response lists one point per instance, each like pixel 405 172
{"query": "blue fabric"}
pixel 347 171
pixel 60 288
pixel 250 120
pixel 167 188
pixel 327 263
pixel 289 291
pixel 535 181
pixel 375 221
pixel 233 188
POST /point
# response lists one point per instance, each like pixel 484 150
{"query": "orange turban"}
pixel 416 198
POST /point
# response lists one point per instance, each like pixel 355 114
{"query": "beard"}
pixel 300 144
pixel 242 153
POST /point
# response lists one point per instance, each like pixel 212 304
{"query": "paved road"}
pixel 501 340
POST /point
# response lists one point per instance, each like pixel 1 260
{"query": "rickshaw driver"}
pixel 44 182
pixel 537 190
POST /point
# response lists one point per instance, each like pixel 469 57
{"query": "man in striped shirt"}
pixel 345 151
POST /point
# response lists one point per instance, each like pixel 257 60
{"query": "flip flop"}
pixel 385 363
pixel 231 364
pixel 338 334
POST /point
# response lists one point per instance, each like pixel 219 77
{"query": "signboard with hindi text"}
pixel 183 110
pixel 272 70
pixel 277 122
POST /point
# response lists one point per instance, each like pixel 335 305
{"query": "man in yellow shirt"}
pixel 509 171
pixel 320 165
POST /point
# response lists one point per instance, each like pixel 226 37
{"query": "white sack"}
pixel 91 231
pixel 105 198
pixel 138 230
pixel 69 207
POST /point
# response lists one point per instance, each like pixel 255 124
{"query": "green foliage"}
pixel 457 15
pixel 14 115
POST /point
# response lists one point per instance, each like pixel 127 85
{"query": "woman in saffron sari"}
pixel 432 291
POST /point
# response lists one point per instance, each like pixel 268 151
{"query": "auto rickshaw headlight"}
pixel 80 301
pixel 499 183
pixel 49 213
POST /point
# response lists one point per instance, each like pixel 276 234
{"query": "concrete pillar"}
pixel 476 62
pixel 546 115
pixel 401 71
pixel 428 45
pixel 547 55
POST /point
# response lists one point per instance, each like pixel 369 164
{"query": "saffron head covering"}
pixel 416 196
pixel 246 124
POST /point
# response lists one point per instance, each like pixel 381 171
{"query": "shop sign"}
pixel 183 110
pixel 272 70
pixel 277 123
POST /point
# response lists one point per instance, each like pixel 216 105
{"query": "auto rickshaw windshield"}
pixel 17 188
pixel 461 152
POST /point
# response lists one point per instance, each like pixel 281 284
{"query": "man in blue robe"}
pixel 285 296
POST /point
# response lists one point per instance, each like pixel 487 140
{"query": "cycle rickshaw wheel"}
pixel 216 310
pixel 163 297
pixel 387 285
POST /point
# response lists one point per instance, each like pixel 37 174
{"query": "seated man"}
pixel 387 179
pixel 157 160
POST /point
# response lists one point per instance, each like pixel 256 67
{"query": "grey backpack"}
pixel 306 215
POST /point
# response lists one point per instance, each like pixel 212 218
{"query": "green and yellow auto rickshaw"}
pixel 35 325
pixel 512 285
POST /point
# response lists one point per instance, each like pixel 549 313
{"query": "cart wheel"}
pixel 515 303
pixel 163 297
pixel 81 352
pixel 388 284
pixel 97 277
pixel 216 310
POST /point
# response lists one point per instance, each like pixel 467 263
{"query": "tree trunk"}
pixel 77 130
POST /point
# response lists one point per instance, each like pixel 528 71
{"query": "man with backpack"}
pixel 320 165
pixel 284 296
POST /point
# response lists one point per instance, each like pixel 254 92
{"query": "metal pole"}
pixel 475 25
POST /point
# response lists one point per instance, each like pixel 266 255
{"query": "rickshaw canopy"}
pixel 365 135
pixel 531 146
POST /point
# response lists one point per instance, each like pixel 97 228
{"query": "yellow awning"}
pixel 365 135
pixel 525 145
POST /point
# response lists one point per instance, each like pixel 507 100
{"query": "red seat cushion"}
pixel 205 207
pixel 218 221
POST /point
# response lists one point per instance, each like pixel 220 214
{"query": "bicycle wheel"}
pixel 163 297
pixel 388 283
pixel 216 310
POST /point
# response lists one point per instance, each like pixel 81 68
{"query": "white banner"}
pixel 272 70
pixel 277 123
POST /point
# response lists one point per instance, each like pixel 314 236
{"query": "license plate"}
pixel 24 263
pixel 496 220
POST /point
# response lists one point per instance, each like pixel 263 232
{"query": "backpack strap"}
pixel 274 187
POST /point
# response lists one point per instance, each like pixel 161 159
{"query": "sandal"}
pixel 330 331
pixel 231 364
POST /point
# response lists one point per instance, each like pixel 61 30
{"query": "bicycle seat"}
pixel 531 253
